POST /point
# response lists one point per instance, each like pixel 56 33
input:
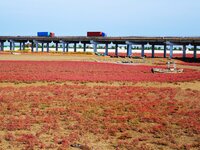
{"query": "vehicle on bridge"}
pixel 96 34
pixel 46 34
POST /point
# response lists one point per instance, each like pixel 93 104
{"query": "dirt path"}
pixel 193 85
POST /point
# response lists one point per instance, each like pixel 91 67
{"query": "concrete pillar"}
pixel 106 50
pixel 129 50
pixel 32 46
pixel 171 51
pixel 11 45
pixel 47 47
pixel 63 46
pixel 24 45
pixel 74 47
pixel 153 51
pixel 20 46
pixel 184 51
pixel 84 47
pixel 2 46
pixel 56 47
pixel 95 47
pixel 67 47
pixel 195 52
pixel 36 45
pixel 42 47
pixel 165 51
pixel 142 53
pixel 116 50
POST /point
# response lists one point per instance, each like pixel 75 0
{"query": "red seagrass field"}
pixel 93 103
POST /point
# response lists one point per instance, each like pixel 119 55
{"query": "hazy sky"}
pixel 115 17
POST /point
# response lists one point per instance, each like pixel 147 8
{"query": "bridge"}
pixel 129 41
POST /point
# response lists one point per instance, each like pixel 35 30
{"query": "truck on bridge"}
pixel 46 34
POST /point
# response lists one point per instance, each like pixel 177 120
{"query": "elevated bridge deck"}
pixel 128 40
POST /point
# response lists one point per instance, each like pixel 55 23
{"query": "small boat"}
pixel 171 68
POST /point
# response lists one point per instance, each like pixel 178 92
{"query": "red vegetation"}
pixel 59 115
pixel 156 55
pixel 124 116
pixel 85 71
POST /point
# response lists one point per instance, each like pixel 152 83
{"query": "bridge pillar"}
pixel 171 51
pixel 195 52
pixel 116 50
pixel 24 46
pixel 165 51
pixel 36 45
pixel 94 45
pixel 74 47
pixel 106 50
pixel 32 46
pixel 153 51
pixel 84 47
pixel 142 53
pixel 2 46
pixel 42 47
pixel 63 46
pixel 12 45
pixel 184 51
pixel 67 47
pixel 129 48
pixel 20 46
pixel 56 47
pixel 47 47
pixel 95 48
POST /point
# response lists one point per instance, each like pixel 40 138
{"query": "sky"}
pixel 115 17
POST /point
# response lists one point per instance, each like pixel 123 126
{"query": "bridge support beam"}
pixel 116 50
pixel 47 47
pixel 20 46
pixel 56 47
pixel 142 51
pixel 32 46
pixel 23 45
pixel 75 47
pixel 42 47
pixel 65 46
pixel 2 46
pixel 84 47
pixel 94 46
pixel 195 52
pixel 153 51
pixel 36 45
pixel 12 45
pixel 184 51
pixel 106 50
pixel 165 51
pixel 171 51
pixel 129 48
